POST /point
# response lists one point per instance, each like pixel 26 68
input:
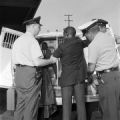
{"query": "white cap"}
pixel 86 25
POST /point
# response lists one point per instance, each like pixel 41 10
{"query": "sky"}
pixel 53 13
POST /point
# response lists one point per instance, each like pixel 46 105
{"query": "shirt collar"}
pixel 29 33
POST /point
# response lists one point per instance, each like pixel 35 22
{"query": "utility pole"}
pixel 68 20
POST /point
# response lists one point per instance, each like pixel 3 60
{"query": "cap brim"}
pixel 33 21
pixel 102 21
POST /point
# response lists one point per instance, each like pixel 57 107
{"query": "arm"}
pixel 43 62
pixel 91 68
pixel 90 71
pixel 37 56
pixel 85 43
pixel 93 55
pixel 13 68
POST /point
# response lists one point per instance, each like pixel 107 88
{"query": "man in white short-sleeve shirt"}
pixel 26 56
pixel 25 50
pixel 103 58
pixel 100 51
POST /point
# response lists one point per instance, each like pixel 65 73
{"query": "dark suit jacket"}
pixel 74 66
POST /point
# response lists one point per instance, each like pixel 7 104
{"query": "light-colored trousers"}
pixel 28 94
pixel 109 93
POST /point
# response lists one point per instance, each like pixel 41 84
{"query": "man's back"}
pixel 73 62
pixel 71 52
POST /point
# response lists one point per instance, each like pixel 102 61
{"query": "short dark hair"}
pixel 69 30
pixel 44 46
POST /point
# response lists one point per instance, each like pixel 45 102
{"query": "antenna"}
pixel 68 20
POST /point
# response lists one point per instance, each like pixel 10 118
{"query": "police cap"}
pixel 33 21
pixel 85 27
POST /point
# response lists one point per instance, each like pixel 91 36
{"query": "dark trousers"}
pixel 110 95
pixel 28 94
pixel 67 93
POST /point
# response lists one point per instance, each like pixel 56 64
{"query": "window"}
pixel 9 39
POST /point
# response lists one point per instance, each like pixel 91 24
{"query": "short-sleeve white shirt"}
pixel 25 50
pixel 102 52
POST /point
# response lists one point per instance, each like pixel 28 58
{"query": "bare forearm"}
pixel 43 62
pixel 91 68
pixel 90 71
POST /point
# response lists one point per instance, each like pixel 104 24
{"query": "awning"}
pixel 14 12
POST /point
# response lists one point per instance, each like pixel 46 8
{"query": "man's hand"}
pixel 90 79
pixel 53 59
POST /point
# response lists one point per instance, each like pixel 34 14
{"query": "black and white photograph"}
pixel 59 59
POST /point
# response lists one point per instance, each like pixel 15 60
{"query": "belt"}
pixel 108 70
pixel 20 65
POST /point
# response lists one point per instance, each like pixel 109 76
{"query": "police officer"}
pixel 26 55
pixel 73 72
pixel 102 58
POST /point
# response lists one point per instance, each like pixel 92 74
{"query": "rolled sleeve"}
pixel 36 50
pixel 93 52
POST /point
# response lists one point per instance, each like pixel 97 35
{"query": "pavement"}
pixel 92 113
pixel 7 115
